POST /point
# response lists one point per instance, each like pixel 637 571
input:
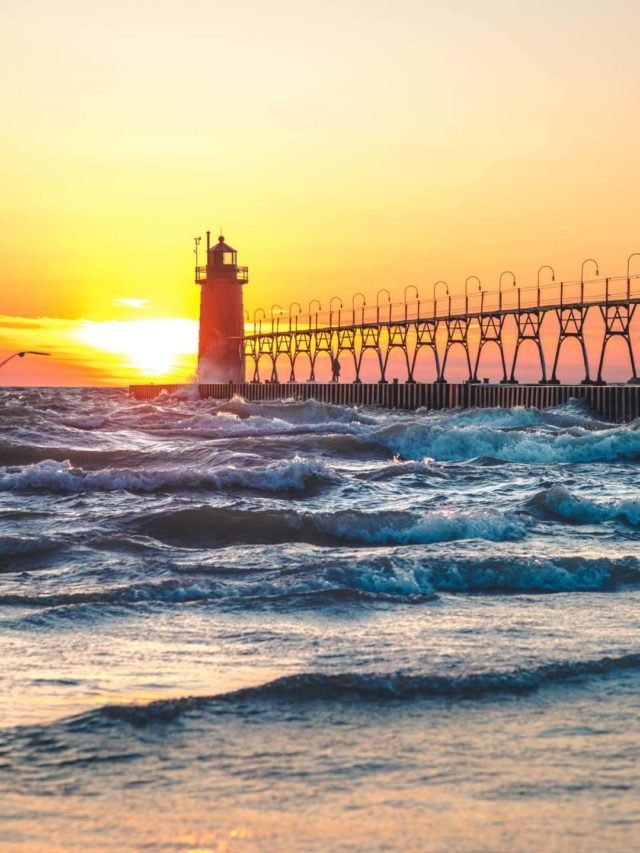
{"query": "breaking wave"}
pixel 557 502
pixel 407 577
pixel 427 438
pixel 353 581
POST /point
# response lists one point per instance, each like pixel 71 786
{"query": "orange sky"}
pixel 342 146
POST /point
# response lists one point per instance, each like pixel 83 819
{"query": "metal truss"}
pixel 300 340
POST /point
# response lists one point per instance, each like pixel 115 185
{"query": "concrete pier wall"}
pixel 615 403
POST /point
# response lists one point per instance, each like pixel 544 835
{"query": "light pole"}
pixel 280 311
pixel 629 259
pixel 296 314
pixel 331 301
pixel 22 355
pixel 353 306
pixel 553 278
pixel 357 380
pixel 435 303
pixel 319 308
pixel 383 290
pixel 407 288
pixel 255 322
pixel 506 272
pixel 595 263
pixel 466 291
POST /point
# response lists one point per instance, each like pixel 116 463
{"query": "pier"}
pixel 510 318
pixel 290 345
pixel 614 403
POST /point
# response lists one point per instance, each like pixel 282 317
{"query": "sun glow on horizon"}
pixel 150 347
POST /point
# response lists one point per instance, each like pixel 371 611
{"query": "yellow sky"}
pixel 342 146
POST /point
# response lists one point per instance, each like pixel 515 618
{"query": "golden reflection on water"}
pixel 434 818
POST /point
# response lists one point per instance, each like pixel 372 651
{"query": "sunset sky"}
pixel 341 146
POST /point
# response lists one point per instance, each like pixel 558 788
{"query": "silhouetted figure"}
pixel 335 369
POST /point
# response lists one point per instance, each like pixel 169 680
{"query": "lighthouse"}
pixel 220 355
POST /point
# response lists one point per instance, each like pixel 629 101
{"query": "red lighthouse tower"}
pixel 220 356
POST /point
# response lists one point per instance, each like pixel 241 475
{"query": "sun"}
pixel 150 347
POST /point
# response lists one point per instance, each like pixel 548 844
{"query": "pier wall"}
pixel 615 403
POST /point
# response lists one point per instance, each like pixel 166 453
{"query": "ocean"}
pixel 295 626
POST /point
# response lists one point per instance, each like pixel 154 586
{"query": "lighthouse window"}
pixel 227 258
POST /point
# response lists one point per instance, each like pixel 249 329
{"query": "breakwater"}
pixel 615 403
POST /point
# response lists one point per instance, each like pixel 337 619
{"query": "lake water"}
pixel 295 626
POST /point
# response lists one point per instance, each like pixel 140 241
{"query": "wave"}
pixel 227 525
pixel 14 454
pixel 444 441
pixel 567 416
pixel 399 468
pixel 513 574
pixel 89 422
pixel 370 687
pixel 557 502
pixel 298 413
pixel 171 591
pixel 565 435
pixel 49 475
pixel 354 581
pixel 17 545
pixel 222 423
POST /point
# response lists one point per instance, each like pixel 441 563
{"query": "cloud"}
pixel 20 323
pixel 132 303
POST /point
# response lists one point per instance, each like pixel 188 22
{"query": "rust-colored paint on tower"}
pixel 221 315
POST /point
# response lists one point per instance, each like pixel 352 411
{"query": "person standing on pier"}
pixel 335 369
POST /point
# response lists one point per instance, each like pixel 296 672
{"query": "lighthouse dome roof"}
pixel 221 246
